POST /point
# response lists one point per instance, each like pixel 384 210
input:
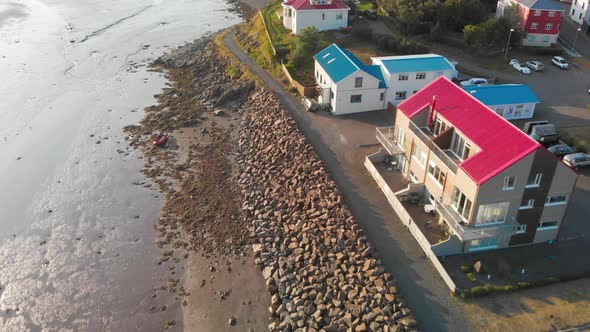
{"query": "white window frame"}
pixel 555 203
pixel 456 199
pixel 537 13
pixel 489 246
pixel 534 26
pixel 506 183
pixel 521 229
pixel 381 96
pixel 460 147
pixel 537 181
pixel 401 95
pixel 541 227
pixel 439 126
pixel 420 76
pixel 500 205
pixel 400 138
pixel 548 26
pixel 529 205
pixel 356 102
pixel 552 14
pixel 358 82
pixel 418 154
pixel 402 77
pixel 339 16
pixel 436 174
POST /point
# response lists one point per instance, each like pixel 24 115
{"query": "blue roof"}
pixel 415 63
pixel 503 94
pixel 340 63
pixel 543 5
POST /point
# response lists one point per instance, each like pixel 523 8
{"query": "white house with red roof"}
pixel 322 14
pixel 487 183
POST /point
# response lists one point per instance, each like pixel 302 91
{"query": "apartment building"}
pixel 491 185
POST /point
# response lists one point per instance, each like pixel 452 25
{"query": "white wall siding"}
pixel 576 9
pixel 412 84
pixel 510 112
pixel 307 18
pixel 539 39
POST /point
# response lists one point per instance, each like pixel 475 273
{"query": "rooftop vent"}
pixel 331 60
pixel 326 55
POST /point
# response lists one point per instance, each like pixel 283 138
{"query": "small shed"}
pixel 511 101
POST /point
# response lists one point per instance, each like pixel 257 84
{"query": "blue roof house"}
pixel 405 75
pixel 347 85
pixel 511 101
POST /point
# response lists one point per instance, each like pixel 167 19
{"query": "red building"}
pixel 541 19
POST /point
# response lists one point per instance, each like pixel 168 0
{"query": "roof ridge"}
pixel 344 51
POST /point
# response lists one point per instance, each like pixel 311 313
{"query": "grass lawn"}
pixel 280 36
pixel 577 136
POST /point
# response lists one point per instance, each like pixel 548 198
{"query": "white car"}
pixel 535 65
pixel 559 62
pixel 577 160
pixel 521 69
pixel 474 81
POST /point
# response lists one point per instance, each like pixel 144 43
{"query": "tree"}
pixel 488 34
pixel 416 16
pixel 309 43
pixel 457 14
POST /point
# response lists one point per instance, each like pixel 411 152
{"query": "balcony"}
pixel 423 134
pixel 427 137
pixel 465 232
pixel 386 138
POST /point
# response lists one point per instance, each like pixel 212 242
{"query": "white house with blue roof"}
pixel 511 101
pixel 405 75
pixel 346 85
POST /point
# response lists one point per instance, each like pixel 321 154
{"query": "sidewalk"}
pixel 335 139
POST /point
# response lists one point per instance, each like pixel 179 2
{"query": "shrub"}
pixel 479 291
pixel 233 71
pixel 523 284
pixel 465 268
pixel 471 277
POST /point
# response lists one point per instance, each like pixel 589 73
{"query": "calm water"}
pixel 76 241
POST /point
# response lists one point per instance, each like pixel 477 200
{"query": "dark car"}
pixel 561 150
pixel 371 14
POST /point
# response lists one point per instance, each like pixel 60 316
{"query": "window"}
pixel 323 16
pixel 436 173
pixel 439 127
pixel 545 225
pixel 356 98
pixel 459 147
pixel 580 16
pixel 509 183
pixel 400 95
pixel 555 200
pixel 339 16
pixel 573 12
pixel 518 111
pixel 420 76
pixel 331 95
pixel 527 204
pixel 482 244
pixel 460 203
pixel 381 96
pixel 545 39
pixel 414 91
pixel 552 14
pixel 537 13
pixel 418 154
pixel 548 26
pixel 400 138
pixel 521 229
pixel 500 111
pixel 402 77
pixel 491 213
pixel 358 82
pixel 534 26
pixel 535 182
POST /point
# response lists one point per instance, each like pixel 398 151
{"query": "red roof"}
pixel 501 144
pixel 306 5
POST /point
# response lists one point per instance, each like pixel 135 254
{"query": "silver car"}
pixel 535 65
pixel 577 160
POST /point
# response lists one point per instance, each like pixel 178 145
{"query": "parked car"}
pixel 577 160
pixel 371 14
pixel 559 62
pixel 521 69
pixel 310 105
pixel 561 149
pixel 541 131
pixel 535 65
pixel 474 81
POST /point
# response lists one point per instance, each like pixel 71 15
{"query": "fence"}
pixel 274 52
pixel 307 91
pixel 406 219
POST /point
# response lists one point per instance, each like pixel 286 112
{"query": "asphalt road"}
pixel 568 31
pixel 335 139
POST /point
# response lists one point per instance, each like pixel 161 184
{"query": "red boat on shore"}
pixel 160 139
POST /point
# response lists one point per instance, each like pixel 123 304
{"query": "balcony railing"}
pixel 465 232
pixel 386 138
pixel 444 157
pixel 420 133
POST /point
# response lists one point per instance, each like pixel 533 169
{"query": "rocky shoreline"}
pixel 240 178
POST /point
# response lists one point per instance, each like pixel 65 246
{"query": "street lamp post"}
pixel 508 44
pixel 576 39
